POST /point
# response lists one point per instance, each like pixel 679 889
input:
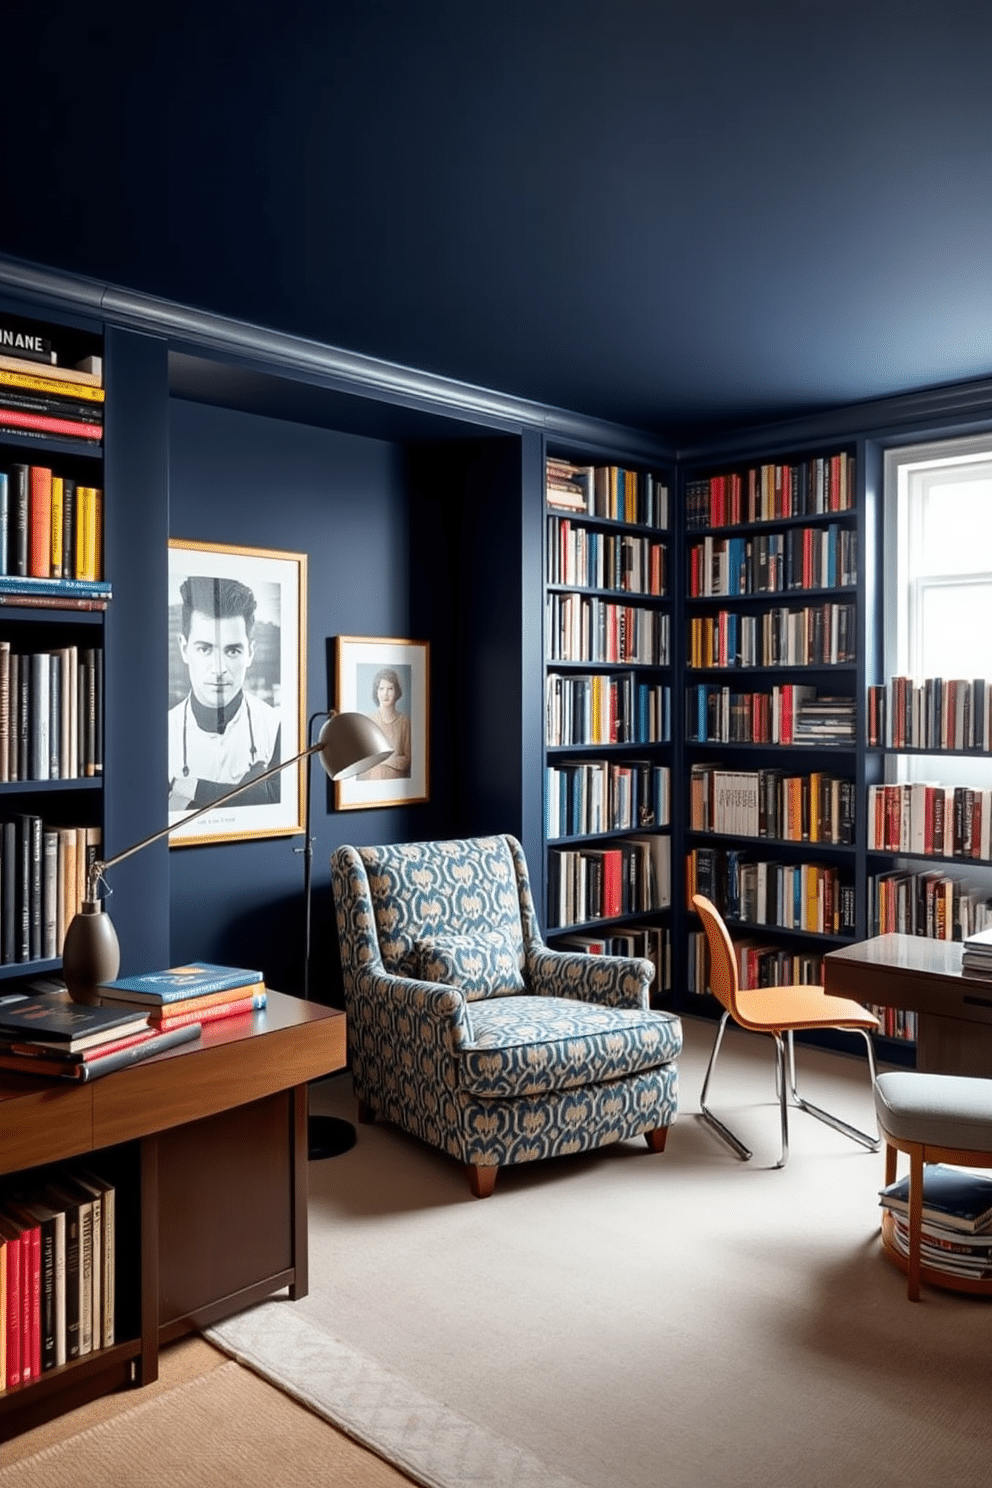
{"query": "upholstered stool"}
pixel 934 1118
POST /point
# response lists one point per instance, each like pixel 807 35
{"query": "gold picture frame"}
pixel 390 681
pixel 246 708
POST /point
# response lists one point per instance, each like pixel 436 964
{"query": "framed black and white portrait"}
pixel 237 685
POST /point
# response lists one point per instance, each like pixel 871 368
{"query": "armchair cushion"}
pixel 484 964
pixel 529 1045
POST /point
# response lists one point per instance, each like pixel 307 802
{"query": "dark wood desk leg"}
pixel 301 1192
pixel 146 1367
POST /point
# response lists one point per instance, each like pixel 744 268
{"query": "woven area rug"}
pixel 625 1319
pixel 226 1428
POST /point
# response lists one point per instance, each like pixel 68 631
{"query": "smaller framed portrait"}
pixel 388 680
pixel 237 649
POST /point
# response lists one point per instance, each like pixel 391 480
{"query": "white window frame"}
pixel 904 466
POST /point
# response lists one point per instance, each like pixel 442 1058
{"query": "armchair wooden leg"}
pixel 366 1115
pixel 481 1181
pixel 656 1139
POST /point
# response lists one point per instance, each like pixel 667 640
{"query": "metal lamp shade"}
pixel 347 744
pixel 350 743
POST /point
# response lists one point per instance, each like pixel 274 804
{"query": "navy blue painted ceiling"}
pixel 679 215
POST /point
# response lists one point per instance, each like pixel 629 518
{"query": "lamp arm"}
pixel 100 865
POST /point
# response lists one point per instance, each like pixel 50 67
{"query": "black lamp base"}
pixel 329 1136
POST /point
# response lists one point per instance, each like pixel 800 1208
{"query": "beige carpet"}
pixel 631 1320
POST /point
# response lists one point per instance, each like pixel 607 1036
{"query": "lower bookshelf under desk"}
pixel 207 1147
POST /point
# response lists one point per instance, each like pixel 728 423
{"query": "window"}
pixel 938 566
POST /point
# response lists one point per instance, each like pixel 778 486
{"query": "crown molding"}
pixel 203 331
pixel 942 410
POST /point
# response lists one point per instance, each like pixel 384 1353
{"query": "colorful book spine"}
pixel 29 422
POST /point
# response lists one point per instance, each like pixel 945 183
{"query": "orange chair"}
pixel 777 1011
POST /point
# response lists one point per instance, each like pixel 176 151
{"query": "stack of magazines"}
pixel 47 1033
pixel 200 992
pixel 976 955
pixel 957 1220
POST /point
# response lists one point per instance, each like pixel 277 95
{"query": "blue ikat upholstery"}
pixel 466 1030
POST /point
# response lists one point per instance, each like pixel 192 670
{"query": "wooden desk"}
pixel 206 1146
pixel 925 977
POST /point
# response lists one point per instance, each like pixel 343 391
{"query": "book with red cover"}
pixel 171 1018
pixel 11 1233
pixel 46 423
pixel 40 522
pixel 30 1228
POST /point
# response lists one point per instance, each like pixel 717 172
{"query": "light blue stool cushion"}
pixel 939 1110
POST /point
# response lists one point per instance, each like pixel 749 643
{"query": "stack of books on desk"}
pixel 49 1034
pixel 976 954
pixel 200 992
pixel 956 1233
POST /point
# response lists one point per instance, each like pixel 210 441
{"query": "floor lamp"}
pixel 327 1136
pixel 348 743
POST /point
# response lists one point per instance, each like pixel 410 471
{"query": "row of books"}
pixel 580 627
pixel 896 1023
pixel 43 1032
pixel 770 562
pixel 590 796
pixel 653 942
pixel 956 1232
pixel 935 820
pixel 607 491
pixel 51 525
pixel 812 897
pixel 604 883
pixel 759 964
pixel 792 713
pixel 930 903
pixel 43 871
pixel 599 709
pixel 816 635
pixel 40 399
pixel 765 493
pixel 939 713
pixel 51 713
pixel 58 1243
pixel 815 807
pixel 589 559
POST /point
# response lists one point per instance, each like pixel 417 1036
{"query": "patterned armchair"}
pixel 466 1030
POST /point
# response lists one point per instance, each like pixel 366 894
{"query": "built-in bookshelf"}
pixel 608 711
pixel 59 1243
pixel 771 639
pixel 54 596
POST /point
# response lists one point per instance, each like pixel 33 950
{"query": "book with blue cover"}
pixel 952 1197
pixel 178 983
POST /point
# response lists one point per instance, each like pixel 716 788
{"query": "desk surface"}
pixel 908 971
pixel 921 976
pixel 284 1044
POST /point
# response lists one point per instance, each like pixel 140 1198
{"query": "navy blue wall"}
pixel 259 482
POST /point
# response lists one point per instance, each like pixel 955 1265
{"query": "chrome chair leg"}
pixel 706 1115
pixel 783 1093
pixel 872 1143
